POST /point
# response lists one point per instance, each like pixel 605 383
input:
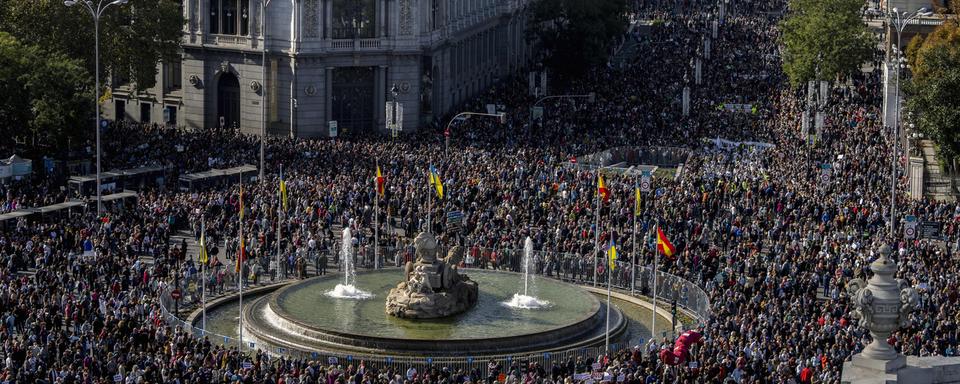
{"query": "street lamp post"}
pixel 899 22
pixel 446 132
pixel 263 87
pixel 96 10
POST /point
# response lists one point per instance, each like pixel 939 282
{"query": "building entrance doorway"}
pixel 228 101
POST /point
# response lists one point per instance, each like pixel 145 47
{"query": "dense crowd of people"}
pixel 757 228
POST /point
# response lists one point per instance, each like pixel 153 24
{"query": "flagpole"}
pixel 279 212
pixel 429 205
pixel 606 345
pixel 596 229
pixel 633 272
pixel 376 228
pixel 203 274
pixel 656 257
pixel 240 272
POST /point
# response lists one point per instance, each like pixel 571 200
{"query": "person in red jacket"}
pixel 806 375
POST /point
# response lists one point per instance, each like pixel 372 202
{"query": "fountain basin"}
pixel 300 316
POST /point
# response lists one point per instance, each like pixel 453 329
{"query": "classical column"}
pixel 381 18
pixel 327 19
pixel 380 97
pixel 328 94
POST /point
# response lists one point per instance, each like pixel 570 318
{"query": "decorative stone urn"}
pixel 432 287
pixel 882 304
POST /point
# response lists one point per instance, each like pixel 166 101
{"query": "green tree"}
pixel 824 35
pixel 133 37
pixel 576 34
pixel 46 98
pixel 933 91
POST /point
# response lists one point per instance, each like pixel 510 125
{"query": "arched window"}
pixel 230 17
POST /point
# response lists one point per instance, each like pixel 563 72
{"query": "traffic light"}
pixel 503 117
pixel 592 97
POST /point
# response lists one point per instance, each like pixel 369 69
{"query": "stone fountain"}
pixel 432 287
pixel 883 304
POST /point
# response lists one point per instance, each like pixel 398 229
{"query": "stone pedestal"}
pixel 915 370
pixel 881 305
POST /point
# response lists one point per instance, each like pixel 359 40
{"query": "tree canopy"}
pixel 46 98
pixel 576 34
pixel 133 37
pixel 933 91
pixel 825 34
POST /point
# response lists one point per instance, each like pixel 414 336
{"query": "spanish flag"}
pixel 241 256
pixel 435 181
pixel 203 257
pixel 664 245
pixel 602 188
pixel 636 202
pixel 381 182
pixel 612 255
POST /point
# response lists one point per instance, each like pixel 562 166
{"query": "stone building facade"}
pixel 329 60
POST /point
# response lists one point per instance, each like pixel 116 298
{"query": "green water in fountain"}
pixel 308 304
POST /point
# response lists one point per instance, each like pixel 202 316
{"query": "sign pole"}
pixel 376 224
pixel 279 213
pixel 240 272
pixel 633 264
pixel 203 275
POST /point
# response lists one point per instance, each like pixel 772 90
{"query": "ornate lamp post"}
pixel 882 304
pixel 96 10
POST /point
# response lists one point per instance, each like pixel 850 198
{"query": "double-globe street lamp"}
pixel 898 21
pixel 96 10
pixel 263 86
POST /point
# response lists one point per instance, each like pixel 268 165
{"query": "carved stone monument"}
pixel 883 304
pixel 432 287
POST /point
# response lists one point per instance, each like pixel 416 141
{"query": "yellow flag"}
pixel 203 257
pixel 612 252
pixel 283 193
pixel 636 204
pixel 434 178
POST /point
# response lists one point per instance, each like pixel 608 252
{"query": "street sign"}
pixel 394 121
pixel 175 294
pixel 930 230
pixel 645 184
pixel 825 170
pixel 910 227
pixel 536 113
pixel 454 220
pixel 333 128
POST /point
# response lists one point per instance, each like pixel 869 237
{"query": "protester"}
pixel 756 226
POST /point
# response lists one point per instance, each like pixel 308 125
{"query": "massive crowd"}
pixel 770 242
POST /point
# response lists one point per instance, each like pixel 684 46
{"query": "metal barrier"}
pixel 565 267
pixel 568 267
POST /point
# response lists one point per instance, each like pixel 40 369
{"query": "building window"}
pixel 354 19
pixel 145 112
pixel 435 14
pixel 230 17
pixel 172 76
